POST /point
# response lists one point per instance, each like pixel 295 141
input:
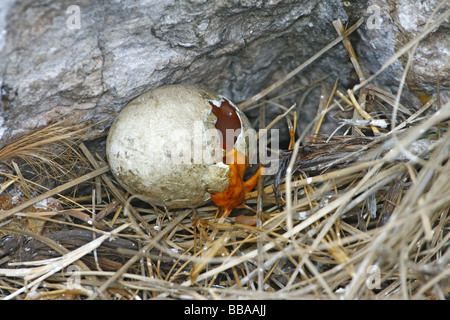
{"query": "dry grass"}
pixel 360 216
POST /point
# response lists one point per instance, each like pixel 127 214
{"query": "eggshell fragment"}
pixel 164 148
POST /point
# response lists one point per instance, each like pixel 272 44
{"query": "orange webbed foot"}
pixel 251 183
pixel 234 195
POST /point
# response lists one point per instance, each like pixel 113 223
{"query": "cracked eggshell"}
pixel 156 147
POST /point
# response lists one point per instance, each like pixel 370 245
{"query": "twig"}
pixel 135 258
pixel 51 266
pixel 351 52
pixel 362 111
pixel 54 191
pixel 266 91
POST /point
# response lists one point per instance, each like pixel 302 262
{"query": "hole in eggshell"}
pixel 227 118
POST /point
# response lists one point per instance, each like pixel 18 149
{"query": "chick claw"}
pixel 234 195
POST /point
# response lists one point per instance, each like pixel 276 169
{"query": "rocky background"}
pixel 61 57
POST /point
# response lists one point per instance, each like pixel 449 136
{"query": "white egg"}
pixel 165 147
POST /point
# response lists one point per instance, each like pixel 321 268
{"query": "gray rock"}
pixel 55 62
pixel 398 23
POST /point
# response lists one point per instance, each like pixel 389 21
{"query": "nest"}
pixel 358 214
